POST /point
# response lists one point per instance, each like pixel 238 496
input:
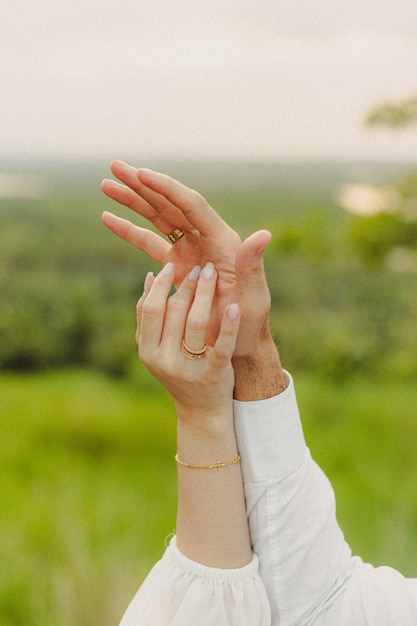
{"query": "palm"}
pixel 184 255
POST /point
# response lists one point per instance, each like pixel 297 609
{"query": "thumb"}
pixel 252 291
pixel 249 259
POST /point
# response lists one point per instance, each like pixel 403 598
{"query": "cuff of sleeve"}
pixel 270 436
pixel 198 570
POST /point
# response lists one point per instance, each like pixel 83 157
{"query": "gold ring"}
pixel 192 354
pixel 175 235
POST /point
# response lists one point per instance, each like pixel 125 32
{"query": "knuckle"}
pixel 196 323
pixel 198 198
pixel 143 354
pixel 252 313
pixel 148 359
pixel 150 309
pixel 176 302
pixel 221 356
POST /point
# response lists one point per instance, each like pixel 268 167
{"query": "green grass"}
pixel 88 495
pixel 363 433
pixel 89 484
pixel 88 480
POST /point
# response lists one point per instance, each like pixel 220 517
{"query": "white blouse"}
pixel 307 575
pixel 180 592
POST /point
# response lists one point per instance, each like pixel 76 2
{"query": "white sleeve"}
pixel 307 567
pixel 181 592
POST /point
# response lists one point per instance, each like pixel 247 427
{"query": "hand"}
pixel 212 526
pixel 200 387
pixel 168 204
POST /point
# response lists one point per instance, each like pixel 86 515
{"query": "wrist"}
pixel 206 439
pixel 207 421
pixel 259 375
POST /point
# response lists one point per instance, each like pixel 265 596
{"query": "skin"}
pixel 167 204
pixel 211 521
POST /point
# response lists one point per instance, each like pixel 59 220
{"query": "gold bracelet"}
pixel 219 465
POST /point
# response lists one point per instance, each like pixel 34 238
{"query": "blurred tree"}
pixel 374 237
pixel 381 238
pixel 400 114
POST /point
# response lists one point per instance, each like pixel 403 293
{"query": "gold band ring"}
pixel 175 235
pixel 192 354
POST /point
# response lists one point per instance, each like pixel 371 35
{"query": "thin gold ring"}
pixel 192 354
pixel 175 235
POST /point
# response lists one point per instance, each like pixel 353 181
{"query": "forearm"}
pixel 212 526
pixel 260 375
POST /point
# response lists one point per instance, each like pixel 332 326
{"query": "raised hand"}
pixel 199 378
pixel 212 526
pixel 168 205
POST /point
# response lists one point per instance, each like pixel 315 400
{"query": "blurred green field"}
pixel 88 484
pixel 87 498
pixel 88 438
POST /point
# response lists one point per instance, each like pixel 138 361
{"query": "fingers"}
pixel 249 259
pixel 226 341
pixel 198 213
pixel 250 272
pixel 168 205
pixel 178 307
pixel 199 315
pixel 141 238
pixel 149 280
pixel 143 200
pixel 126 195
pixel 252 293
pixel 163 322
pixel 151 311
pixel 198 318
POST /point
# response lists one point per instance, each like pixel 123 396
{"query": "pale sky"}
pixel 221 79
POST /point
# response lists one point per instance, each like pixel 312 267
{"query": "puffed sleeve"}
pixel 181 592
pixel 306 565
pixel 305 562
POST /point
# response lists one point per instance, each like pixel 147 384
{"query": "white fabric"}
pixel 307 568
pixel 180 592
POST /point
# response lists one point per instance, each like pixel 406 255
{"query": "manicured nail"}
pixel 148 282
pixel 233 311
pixel 168 269
pixel 208 271
pixel 195 273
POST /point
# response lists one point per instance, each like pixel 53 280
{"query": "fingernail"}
pixel 148 279
pixel 233 311
pixel 168 269
pixel 195 273
pixel 208 271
